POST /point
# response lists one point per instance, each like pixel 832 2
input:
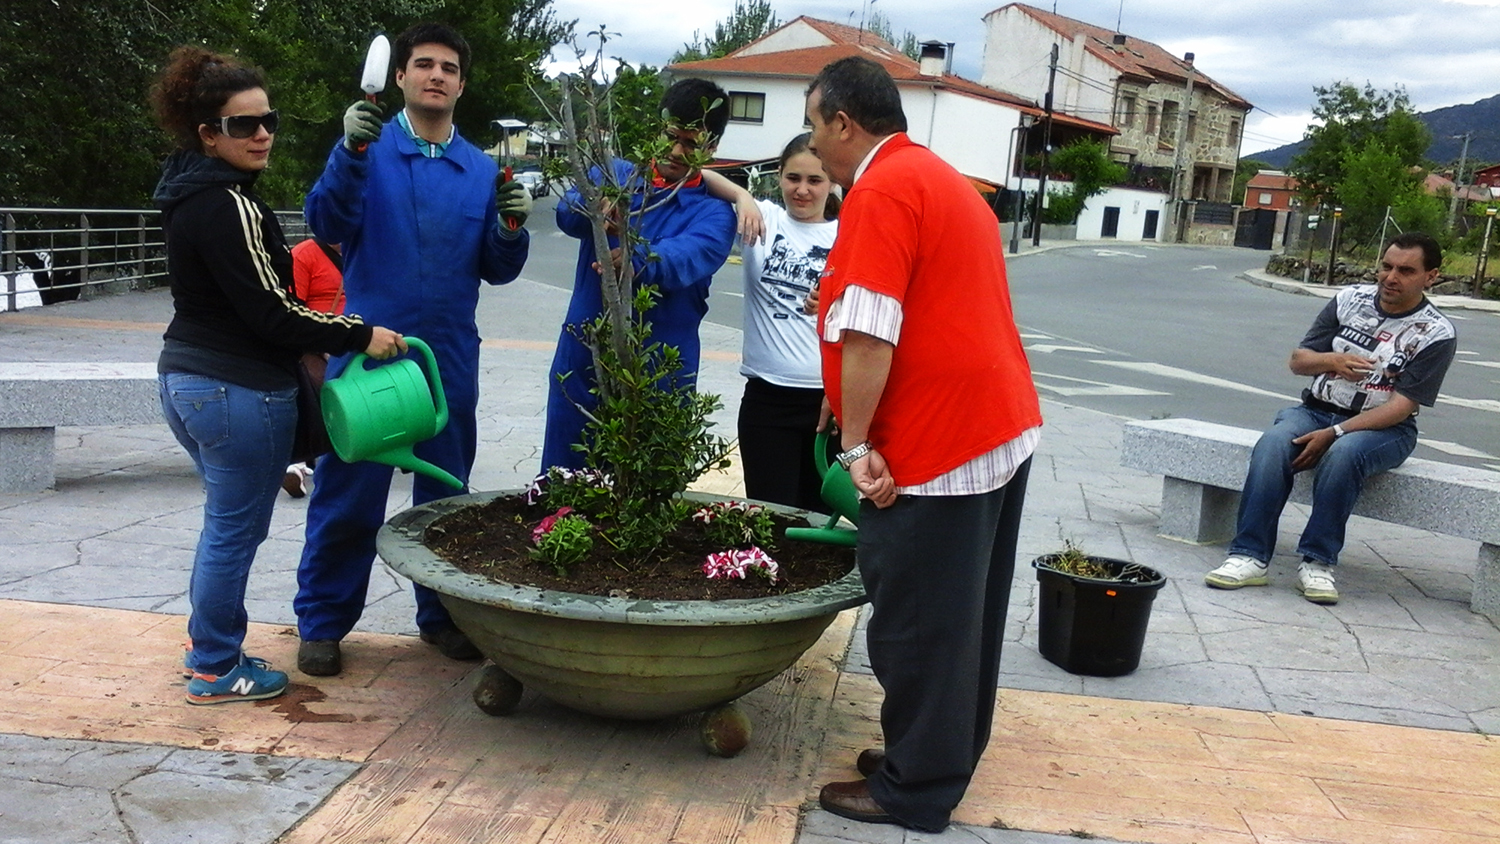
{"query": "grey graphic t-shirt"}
pixel 1411 351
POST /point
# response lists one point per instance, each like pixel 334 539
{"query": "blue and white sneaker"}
pixel 252 679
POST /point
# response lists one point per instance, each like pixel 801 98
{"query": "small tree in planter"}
pixel 649 433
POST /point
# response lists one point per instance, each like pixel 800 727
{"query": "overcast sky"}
pixel 1271 52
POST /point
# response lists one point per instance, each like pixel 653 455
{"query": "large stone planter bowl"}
pixel 621 658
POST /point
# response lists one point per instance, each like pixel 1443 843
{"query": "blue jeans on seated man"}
pixel 240 440
pixel 1338 478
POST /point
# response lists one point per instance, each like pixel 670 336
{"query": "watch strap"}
pixel 1338 431
pixel 847 458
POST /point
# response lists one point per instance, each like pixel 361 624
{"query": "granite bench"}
pixel 36 398
pixel 1203 467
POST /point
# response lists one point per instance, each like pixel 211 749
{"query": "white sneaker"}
pixel 1315 582
pixel 1238 570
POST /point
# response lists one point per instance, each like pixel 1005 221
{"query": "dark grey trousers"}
pixel 938 571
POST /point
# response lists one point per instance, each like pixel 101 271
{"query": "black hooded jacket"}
pixel 236 317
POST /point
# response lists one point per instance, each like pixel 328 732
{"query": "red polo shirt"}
pixel 915 229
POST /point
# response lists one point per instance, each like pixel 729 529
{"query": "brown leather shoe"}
pixel 852 800
pixel 869 761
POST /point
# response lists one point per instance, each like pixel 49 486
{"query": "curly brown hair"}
pixel 193 88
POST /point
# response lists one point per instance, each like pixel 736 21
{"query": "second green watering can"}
pixel 838 493
pixel 379 414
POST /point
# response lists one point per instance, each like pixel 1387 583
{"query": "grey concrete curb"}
pixel 1262 278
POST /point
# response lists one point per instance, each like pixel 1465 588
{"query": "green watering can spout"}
pixel 379 414
pixel 838 492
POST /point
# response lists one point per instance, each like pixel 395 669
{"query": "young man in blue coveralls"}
pixel 689 238
pixel 423 219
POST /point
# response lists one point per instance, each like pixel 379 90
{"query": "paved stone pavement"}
pixel 117 533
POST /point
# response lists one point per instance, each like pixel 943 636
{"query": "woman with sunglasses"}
pixel 228 361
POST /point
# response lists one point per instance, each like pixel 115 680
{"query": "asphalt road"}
pixel 1152 331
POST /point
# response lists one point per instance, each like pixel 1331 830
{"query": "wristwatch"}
pixel 1338 431
pixel 847 458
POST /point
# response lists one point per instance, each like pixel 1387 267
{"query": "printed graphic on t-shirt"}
pixel 789 274
pixel 1391 343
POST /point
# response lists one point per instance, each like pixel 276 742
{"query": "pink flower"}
pixel 705 514
pixel 739 563
pixel 546 525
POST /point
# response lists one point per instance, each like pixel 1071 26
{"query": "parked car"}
pixel 536 184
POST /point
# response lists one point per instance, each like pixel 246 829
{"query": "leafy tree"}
pixel 78 132
pixel 635 107
pixel 1350 118
pixel 880 26
pixel 1091 170
pixel 1245 170
pixel 1376 179
pixel 751 19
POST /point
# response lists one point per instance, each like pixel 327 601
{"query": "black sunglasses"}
pixel 246 125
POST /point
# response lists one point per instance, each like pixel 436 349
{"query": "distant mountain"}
pixel 1447 126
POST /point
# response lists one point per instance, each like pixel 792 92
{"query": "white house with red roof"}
pixel 1135 85
pixel 969 125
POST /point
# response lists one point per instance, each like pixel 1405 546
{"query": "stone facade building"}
pixel 1176 124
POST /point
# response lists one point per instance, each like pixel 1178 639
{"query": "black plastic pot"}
pixel 1094 626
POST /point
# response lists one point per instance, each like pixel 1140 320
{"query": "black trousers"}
pixel 938 571
pixel 777 427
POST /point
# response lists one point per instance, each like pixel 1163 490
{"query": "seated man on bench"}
pixel 1376 352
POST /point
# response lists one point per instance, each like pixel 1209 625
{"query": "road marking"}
pixel 1096 388
pixel 1027 336
pixel 1165 371
pixel 1115 253
pixel 1495 466
pixel 731 293
pixel 1491 405
pixel 1457 450
pixel 1047 348
pixel 1462 352
pixel 1205 267
pixel 1489 363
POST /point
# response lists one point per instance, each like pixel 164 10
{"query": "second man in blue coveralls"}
pixel 423 221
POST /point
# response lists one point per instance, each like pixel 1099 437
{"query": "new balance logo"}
pixel 243 686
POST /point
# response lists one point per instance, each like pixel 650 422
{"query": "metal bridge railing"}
pixel 50 255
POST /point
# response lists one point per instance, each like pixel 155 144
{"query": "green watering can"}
pixel 838 492
pixel 379 414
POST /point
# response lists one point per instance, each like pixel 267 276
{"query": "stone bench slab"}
pixel 36 398
pixel 1203 465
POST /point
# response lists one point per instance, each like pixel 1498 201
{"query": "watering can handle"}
pixel 439 398
pixel 820 452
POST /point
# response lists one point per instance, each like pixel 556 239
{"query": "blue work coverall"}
pixel 690 235
pixel 418 235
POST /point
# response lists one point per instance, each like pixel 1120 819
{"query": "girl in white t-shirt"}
pixel 779 413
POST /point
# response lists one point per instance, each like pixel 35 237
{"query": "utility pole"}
pixel 1333 241
pixel 1484 251
pixel 1458 181
pixel 1181 142
pixel 1041 191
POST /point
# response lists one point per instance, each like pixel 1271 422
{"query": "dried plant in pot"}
pixel 613 648
pixel 1092 612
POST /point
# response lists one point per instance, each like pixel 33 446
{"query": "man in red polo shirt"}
pixel 925 372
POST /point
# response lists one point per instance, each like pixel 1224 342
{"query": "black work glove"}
pixel 362 125
pixel 514 204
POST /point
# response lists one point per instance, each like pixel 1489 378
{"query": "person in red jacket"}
pixel 938 419
pixel 318 280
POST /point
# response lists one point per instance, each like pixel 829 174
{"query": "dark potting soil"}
pixel 494 540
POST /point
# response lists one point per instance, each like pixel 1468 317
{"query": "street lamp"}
pixel 1484 251
pixel 1019 169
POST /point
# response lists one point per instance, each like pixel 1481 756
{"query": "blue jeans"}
pixel 241 440
pixel 1338 478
